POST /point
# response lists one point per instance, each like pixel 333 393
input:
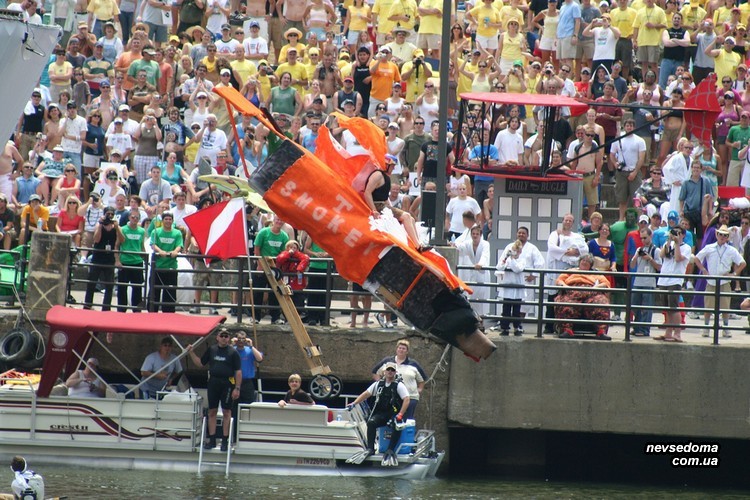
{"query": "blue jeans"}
pixel 641 298
pixel 667 67
pixel 76 159
pixel 126 23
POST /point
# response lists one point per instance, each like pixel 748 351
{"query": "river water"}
pixel 98 484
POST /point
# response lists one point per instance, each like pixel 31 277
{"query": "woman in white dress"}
pixel 475 252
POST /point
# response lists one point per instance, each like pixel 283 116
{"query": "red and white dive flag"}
pixel 220 230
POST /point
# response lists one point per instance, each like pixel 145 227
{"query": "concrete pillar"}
pixel 48 273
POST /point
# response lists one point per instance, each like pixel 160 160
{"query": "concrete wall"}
pixel 618 387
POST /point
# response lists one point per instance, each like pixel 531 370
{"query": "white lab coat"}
pixel 467 256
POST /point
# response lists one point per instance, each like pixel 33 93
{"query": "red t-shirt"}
pixel 67 223
pixel 609 126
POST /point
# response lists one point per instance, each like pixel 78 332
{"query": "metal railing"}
pixel 237 283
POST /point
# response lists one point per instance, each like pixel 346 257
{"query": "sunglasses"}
pixel 68 171
pixel 482 65
pixel 590 135
pixel 223 335
pixel 418 123
pixel 72 203
pixel 429 86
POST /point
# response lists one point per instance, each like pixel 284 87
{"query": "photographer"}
pixel 415 73
pixel 107 234
pixel 645 263
pixel 628 155
pixel 675 255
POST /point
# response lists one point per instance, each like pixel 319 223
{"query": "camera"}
pixel 642 251
pixel 675 232
pixel 548 72
pixel 106 220
pixel 418 62
pixel 620 166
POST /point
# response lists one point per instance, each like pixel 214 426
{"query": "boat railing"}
pixel 31 393
pixel 424 444
pixel 165 407
pixel 228 461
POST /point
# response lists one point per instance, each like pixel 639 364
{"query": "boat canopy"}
pixel 68 329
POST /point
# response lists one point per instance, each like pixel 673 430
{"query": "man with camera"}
pixel 415 73
pixel 645 264
pixel 628 155
pixel 675 255
pixel 107 234
pixel 384 74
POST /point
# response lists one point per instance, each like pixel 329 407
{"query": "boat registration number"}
pixel 326 462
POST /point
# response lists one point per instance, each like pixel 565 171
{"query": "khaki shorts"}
pixel 585 50
pixel 591 191
pixel 88 239
pixel 671 135
pixel 565 49
pixel 709 301
pixel 649 54
pixel 428 41
pixel 624 188
pixel 671 298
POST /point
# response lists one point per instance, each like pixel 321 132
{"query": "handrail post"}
pixel 717 294
pixel 328 295
pixel 540 305
pixel 152 305
pixel 240 287
pixel 628 305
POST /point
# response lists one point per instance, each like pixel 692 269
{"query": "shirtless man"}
pixel 10 154
pixel 377 191
pixel 291 13
pixel 591 167
pixel 327 72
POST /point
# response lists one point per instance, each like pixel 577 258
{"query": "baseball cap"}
pixel 123 107
pixel 318 100
pixel 149 51
pixel 35 197
pixel 71 105
pixel 174 38
pixel 291 49
pixel 118 120
pixel 314 51
pixel 253 24
pixel 390 366
pixel 673 215
pixel 115 152
pixel 348 101
pixel 201 94
pixel 99 44
pixel 730 39
pixel 225 71
pixel 349 79
pixel 226 26
pixel 643 218
pixel 393 125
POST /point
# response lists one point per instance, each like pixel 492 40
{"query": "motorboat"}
pixel 120 431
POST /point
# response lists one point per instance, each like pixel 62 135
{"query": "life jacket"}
pixel 387 399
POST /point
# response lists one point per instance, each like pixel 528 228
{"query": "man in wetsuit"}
pixel 391 399
pixel 377 190
pixel 224 382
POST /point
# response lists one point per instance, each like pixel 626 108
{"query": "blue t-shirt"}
pixel 247 360
pixel 566 23
pixel 479 151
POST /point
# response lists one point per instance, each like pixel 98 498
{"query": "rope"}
pixel 441 365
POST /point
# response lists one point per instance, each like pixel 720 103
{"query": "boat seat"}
pixel 272 413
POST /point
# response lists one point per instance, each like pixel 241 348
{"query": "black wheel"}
pixel 336 386
pixel 320 387
pixel 16 345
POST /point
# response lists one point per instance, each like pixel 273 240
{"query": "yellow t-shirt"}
pixel 60 70
pixel 414 86
pixel 511 47
pixel 431 25
pixel 725 64
pixel 721 16
pixel 246 68
pixel 483 15
pixel 358 17
pixel 649 37
pixel 104 9
pixel 405 7
pixel 464 82
pixel 509 12
pixel 298 72
pixel 301 51
pixel 623 20
pixel 531 89
pixel 691 16
pixel 265 85
pixel 381 8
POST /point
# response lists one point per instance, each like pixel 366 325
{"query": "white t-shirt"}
pixel 604 44
pixel 457 207
pixel 73 127
pixel 509 146
pixel 179 215
pixel 217 17
pixel 212 142
pixel 255 47
pixel 123 142
pixel 223 47
pixel 671 266
pixel 628 149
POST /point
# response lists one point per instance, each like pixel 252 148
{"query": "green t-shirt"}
pixel 167 241
pixel 316 264
pixel 270 244
pixel 153 72
pixel 133 243
pixel 737 133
